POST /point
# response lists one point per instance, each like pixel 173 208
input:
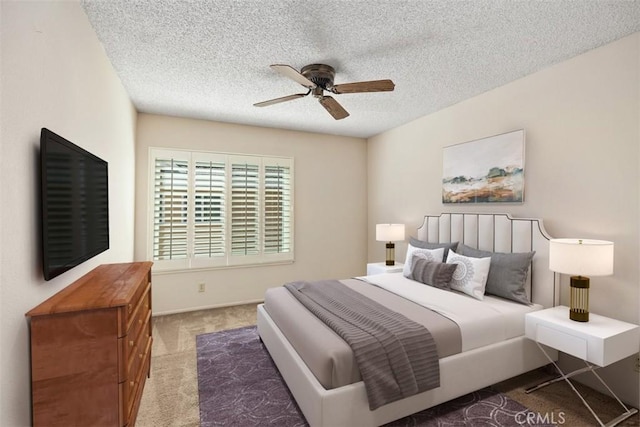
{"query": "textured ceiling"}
pixel 210 59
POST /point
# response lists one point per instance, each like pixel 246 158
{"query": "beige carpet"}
pixel 171 394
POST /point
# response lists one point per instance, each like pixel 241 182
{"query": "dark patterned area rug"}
pixel 239 385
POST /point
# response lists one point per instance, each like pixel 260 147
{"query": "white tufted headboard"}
pixel 500 233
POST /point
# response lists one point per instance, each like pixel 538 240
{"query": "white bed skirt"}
pixel 348 406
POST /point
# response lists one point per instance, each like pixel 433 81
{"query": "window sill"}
pixel 169 271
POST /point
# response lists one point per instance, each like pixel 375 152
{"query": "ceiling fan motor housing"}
pixel 320 74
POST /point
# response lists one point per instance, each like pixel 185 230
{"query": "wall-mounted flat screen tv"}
pixel 75 204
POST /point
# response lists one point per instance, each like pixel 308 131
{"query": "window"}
pixel 212 210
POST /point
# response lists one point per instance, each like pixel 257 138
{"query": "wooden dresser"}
pixel 91 348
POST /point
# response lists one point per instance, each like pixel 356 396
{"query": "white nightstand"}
pixel 599 342
pixel 380 268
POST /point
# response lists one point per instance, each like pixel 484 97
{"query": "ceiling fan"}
pixel 318 78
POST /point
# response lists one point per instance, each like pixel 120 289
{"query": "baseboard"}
pixel 206 307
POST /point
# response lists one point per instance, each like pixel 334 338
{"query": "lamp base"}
pixel 578 315
pixel 391 256
pixel 579 310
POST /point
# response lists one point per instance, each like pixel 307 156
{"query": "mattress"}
pixel 457 322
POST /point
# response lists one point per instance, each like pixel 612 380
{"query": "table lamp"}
pixel 390 233
pixel 580 258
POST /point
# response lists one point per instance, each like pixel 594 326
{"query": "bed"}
pixel 326 384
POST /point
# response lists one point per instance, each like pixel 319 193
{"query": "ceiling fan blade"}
pixel 370 86
pixel 333 107
pixel 279 100
pixel 293 74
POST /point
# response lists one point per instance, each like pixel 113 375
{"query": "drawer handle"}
pixel 131 343
pixel 140 356
pixel 140 321
pixel 131 383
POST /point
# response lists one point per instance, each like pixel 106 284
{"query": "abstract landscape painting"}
pixel 487 170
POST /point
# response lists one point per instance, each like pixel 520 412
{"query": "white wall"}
pixel 581 170
pixel 54 74
pixel 330 208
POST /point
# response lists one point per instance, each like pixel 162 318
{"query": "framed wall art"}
pixel 487 170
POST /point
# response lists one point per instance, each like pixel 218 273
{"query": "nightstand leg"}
pixel 627 412
pixel 560 378
pixel 589 368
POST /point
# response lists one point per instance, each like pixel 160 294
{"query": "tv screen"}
pixel 75 204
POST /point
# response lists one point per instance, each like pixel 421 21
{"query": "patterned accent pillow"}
pixel 428 254
pixel 432 273
pixel 471 274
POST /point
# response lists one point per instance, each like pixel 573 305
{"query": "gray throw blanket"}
pixel 397 357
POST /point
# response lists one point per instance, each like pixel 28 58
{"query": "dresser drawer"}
pixel 138 331
pixel 137 397
pixel 562 341
pixel 136 310
pixel 131 385
pixel 140 316
pixel 137 353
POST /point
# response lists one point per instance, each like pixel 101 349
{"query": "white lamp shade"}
pixel 389 232
pixel 581 257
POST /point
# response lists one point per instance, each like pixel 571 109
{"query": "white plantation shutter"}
pixel 209 214
pixel 170 208
pixel 214 210
pixel 277 208
pixel 245 206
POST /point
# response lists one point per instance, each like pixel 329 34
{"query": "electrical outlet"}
pixel 637 367
pixel 200 287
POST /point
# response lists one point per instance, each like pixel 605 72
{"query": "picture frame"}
pixel 485 170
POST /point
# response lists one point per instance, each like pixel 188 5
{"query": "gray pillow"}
pixel 507 274
pixel 432 273
pixel 426 245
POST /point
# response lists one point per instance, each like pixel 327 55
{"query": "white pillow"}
pixel 471 274
pixel 428 254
